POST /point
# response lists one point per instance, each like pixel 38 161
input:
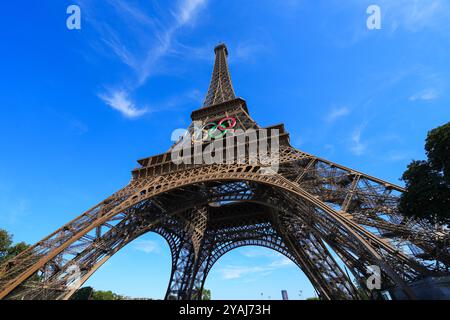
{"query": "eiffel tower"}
pixel 333 222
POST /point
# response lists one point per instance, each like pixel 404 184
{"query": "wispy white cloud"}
pixel 357 146
pixel 416 15
pixel 185 13
pixel 397 155
pixel 187 10
pixel 132 13
pixel 268 261
pixel 337 113
pixel 239 271
pixel 140 45
pixel 410 16
pixel 120 101
pixel 112 40
pixel 147 246
pixel 249 51
pixel 236 272
pixel 425 95
pixel 281 263
pixel 257 252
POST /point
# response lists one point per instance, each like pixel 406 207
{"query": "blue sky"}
pixel 80 106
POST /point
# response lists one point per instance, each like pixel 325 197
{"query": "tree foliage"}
pixel 83 294
pixel 206 294
pixel 438 151
pixel 7 249
pixel 5 243
pixel 427 193
pixel 107 295
pixel 88 293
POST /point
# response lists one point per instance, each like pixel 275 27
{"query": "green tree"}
pixel 7 249
pixel 438 150
pixel 427 193
pixel 5 243
pixel 88 293
pixel 206 295
pixel 106 295
pixel 83 294
pixel 16 249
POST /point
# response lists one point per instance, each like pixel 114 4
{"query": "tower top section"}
pixel 221 88
pixel 221 46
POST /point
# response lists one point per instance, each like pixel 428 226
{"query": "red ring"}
pixel 231 126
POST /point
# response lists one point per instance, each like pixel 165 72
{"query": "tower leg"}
pixel 186 277
pixel 321 268
pixel 182 273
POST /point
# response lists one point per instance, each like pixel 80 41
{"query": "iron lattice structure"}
pixel 313 211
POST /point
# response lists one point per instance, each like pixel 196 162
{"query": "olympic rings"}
pixel 209 130
pixel 231 123
pixel 220 135
pixel 198 134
